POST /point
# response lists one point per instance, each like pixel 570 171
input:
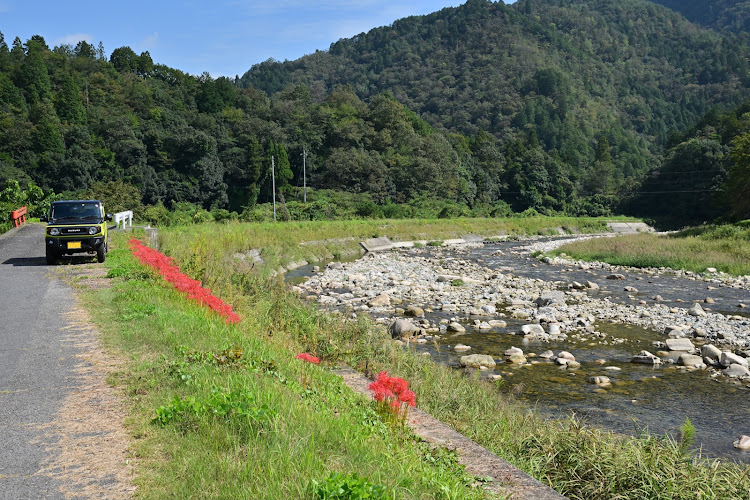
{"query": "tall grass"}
pixel 726 248
pixel 577 460
pixel 302 424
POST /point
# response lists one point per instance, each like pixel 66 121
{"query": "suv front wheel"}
pixel 101 252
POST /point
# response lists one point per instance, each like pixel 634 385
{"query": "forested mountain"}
pixel 705 175
pixel 557 106
pixel 70 119
pixel 728 15
pixel 590 80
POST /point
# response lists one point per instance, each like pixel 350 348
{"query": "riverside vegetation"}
pixel 306 434
pixel 725 248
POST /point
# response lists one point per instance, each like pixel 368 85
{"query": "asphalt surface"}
pixel 36 366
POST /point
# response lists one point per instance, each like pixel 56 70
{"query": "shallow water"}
pixel 641 397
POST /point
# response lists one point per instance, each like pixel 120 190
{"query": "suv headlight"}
pixel 54 231
pixel 93 229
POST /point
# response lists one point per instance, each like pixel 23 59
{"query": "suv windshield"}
pixel 78 210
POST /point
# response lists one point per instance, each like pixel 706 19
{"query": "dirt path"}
pixel 60 422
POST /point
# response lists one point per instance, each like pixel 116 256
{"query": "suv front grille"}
pixel 74 231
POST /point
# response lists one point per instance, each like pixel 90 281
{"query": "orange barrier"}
pixel 18 217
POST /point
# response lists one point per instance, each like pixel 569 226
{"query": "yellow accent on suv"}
pixel 76 226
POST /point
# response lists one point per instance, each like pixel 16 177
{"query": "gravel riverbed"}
pixel 617 344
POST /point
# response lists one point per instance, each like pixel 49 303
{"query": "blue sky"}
pixel 222 37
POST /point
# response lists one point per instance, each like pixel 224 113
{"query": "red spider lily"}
pixel 308 357
pixel 393 392
pixel 171 272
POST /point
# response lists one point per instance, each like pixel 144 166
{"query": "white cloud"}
pixel 150 41
pixel 73 39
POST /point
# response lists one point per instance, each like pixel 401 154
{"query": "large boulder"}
pixel 477 361
pixel 402 328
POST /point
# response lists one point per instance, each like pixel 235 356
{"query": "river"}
pixel 642 397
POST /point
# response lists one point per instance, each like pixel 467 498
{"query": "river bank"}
pixel 484 299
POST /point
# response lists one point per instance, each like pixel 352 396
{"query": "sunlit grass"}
pixel 725 248
pixel 319 425
pixel 328 428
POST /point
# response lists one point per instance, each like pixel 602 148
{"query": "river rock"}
pixel 729 358
pixel 489 309
pixel 669 329
pixel 631 289
pixel 554 329
pixel 711 352
pixel 414 311
pixel 600 381
pixel 517 359
pixel 592 286
pixel 680 345
pixel 456 327
pixel 547 354
pixel 381 300
pixel 646 358
pixel 697 310
pixel 566 355
pixel 616 277
pixel 742 443
pixel 736 371
pixel 513 350
pixel 477 361
pixel 690 360
pixel 402 328
pixel 555 297
pixel 498 323
pixel 533 329
pixel 461 347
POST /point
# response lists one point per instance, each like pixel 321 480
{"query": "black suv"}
pixel 76 226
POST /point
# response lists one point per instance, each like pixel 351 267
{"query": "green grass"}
pixel 321 427
pixel 226 411
pixel 726 248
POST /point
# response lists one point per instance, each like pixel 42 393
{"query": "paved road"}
pixel 36 366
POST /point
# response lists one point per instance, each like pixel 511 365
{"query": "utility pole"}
pixel 304 175
pixel 273 187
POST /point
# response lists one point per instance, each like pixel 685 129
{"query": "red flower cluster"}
pixel 165 266
pixel 308 357
pixel 393 391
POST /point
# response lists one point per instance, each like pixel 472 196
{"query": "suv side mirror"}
pixel 108 217
pixel 43 218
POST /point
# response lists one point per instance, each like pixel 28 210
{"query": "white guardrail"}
pixel 125 218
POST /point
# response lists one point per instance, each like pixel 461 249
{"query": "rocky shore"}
pixel 437 294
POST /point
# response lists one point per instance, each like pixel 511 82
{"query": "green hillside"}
pixel 573 75
pixel 556 106
pixel 729 15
